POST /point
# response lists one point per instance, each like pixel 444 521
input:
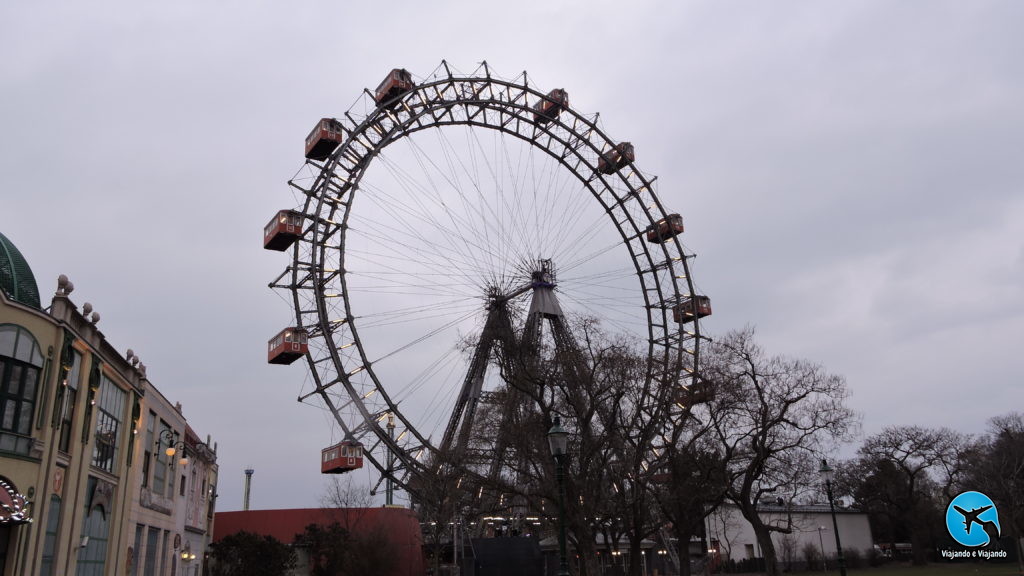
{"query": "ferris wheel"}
pixel 443 218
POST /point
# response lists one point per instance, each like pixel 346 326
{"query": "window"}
pixel 145 471
pixel 163 467
pixel 166 554
pixel 133 567
pixel 19 344
pixel 148 443
pixel 160 467
pixel 152 539
pixel 70 398
pixel 50 539
pixel 111 404
pixel 92 558
pixel 20 360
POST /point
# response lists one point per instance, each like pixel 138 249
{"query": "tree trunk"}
pixel 1016 541
pixel 764 540
pixel 636 567
pixel 683 552
pixel 588 557
pixel 918 539
pixel 437 553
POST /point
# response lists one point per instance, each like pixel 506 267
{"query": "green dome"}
pixel 16 279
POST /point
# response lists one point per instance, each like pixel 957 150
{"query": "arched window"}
pixel 20 365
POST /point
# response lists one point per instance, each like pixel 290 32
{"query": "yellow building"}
pixel 71 456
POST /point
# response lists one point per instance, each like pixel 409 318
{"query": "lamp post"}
pixel 821 542
pixel 168 436
pixel 558 441
pixel 827 473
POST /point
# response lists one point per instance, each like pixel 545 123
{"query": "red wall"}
pixel 400 524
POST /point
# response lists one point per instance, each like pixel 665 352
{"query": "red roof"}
pixel 400 524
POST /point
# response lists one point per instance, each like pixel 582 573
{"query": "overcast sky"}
pixel 850 174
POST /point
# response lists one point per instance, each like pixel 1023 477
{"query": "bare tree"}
pixel 346 542
pixel 634 419
pixel 995 466
pixel 342 493
pixel 440 500
pixel 772 420
pixel 596 385
pixel 506 467
pixel 724 528
pixel 925 462
pixel 693 484
pixel 762 431
pixel 877 488
pixel 601 400
pixel 346 502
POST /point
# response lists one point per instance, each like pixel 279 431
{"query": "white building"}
pixel 733 537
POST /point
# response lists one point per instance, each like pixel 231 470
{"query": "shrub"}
pixel 248 554
pixel 854 558
pixel 811 555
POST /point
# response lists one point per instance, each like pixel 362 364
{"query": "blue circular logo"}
pixel 972 520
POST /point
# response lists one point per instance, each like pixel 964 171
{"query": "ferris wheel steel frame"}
pixel 317 281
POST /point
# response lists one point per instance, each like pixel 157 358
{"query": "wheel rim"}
pixel 324 279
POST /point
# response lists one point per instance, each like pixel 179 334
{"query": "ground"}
pixel 937 569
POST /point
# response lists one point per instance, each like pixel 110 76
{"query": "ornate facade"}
pixel 76 457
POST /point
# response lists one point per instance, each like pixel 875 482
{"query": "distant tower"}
pixel 389 488
pixel 248 484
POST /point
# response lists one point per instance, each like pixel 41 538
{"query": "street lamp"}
pixel 173 446
pixel 186 554
pixel 827 473
pixel 558 441
pixel 821 542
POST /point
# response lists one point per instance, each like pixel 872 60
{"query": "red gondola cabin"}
pixel 611 161
pixel 690 308
pixel 549 106
pixel 341 458
pixel 397 82
pixel 288 346
pixel 665 229
pixel 324 138
pixel 283 230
